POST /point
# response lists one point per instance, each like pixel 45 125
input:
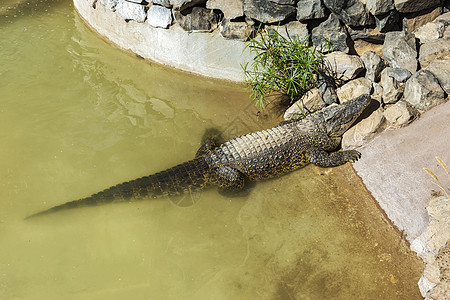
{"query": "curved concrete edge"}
pixel 392 165
pixel 207 54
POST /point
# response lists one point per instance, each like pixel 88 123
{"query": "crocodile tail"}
pixel 188 176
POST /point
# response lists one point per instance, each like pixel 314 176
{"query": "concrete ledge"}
pixel 392 165
pixel 204 54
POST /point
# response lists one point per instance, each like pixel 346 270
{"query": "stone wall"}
pixel 206 36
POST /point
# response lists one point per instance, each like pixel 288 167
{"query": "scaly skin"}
pixel 254 156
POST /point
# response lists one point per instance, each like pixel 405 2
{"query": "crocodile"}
pixel 259 155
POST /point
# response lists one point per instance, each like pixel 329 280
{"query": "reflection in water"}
pixel 77 116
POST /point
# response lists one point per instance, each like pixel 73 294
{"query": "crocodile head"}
pixel 339 118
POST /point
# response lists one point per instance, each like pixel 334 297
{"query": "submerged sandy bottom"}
pixel 77 116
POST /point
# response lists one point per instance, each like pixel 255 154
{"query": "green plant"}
pixel 281 66
pixel 438 182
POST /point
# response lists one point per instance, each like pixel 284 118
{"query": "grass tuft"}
pixel 438 182
pixel 283 66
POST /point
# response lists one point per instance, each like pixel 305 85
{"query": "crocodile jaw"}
pixel 339 118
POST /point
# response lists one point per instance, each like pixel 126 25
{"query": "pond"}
pixel 78 115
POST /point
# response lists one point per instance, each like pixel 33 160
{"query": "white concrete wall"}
pixel 207 54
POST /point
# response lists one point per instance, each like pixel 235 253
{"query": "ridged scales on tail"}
pixel 254 156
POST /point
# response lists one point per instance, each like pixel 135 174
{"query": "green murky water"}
pixel 78 115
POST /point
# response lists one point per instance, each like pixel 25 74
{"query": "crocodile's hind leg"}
pixel 228 179
pixel 323 159
pixel 211 139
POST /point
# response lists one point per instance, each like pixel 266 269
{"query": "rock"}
pixel 398 114
pixel 294 30
pixel 388 21
pixel 368 34
pixel 399 49
pixel 377 93
pixel 330 31
pixel 196 19
pixel 429 32
pixel 310 102
pixel 267 12
pixel 374 64
pixel 428 244
pixel 441 69
pixel 325 84
pixel 363 131
pixel 183 4
pixel 310 10
pixel 362 47
pixel 351 12
pixel 446 34
pixel 231 9
pixel 346 67
pixel 284 2
pixel 130 11
pixel 159 16
pixel 235 30
pixel 379 7
pixel 354 89
pixel 400 75
pixel 422 90
pixel 433 247
pixel 415 20
pixel 392 89
pixel 109 4
pixel 433 50
pixel 444 19
pixel 440 291
pixel 165 3
pixel 408 6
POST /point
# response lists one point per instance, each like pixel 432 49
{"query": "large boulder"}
pixel 310 10
pixel 310 102
pixel 266 11
pixel 294 30
pixel 388 21
pixel 235 30
pixel 159 16
pixel 433 247
pixel 231 9
pixel 433 50
pixel 326 86
pixel 374 64
pixel 412 21
pixel 400 75
pixel 399 49
pixel 379 7
pixel 392 88
pixel 344 66
pixel 372 35
pixel 422 90
pixel 197 19
pixel 354 89
pixel 330 33
pixel 361 133
pixel 429 32
pixel 351 12
pixel 408 6
pixel 444 19
pixel 441 69
pixel 130 11
pixel 398 114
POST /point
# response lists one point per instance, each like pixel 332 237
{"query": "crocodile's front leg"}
pixel 323 159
